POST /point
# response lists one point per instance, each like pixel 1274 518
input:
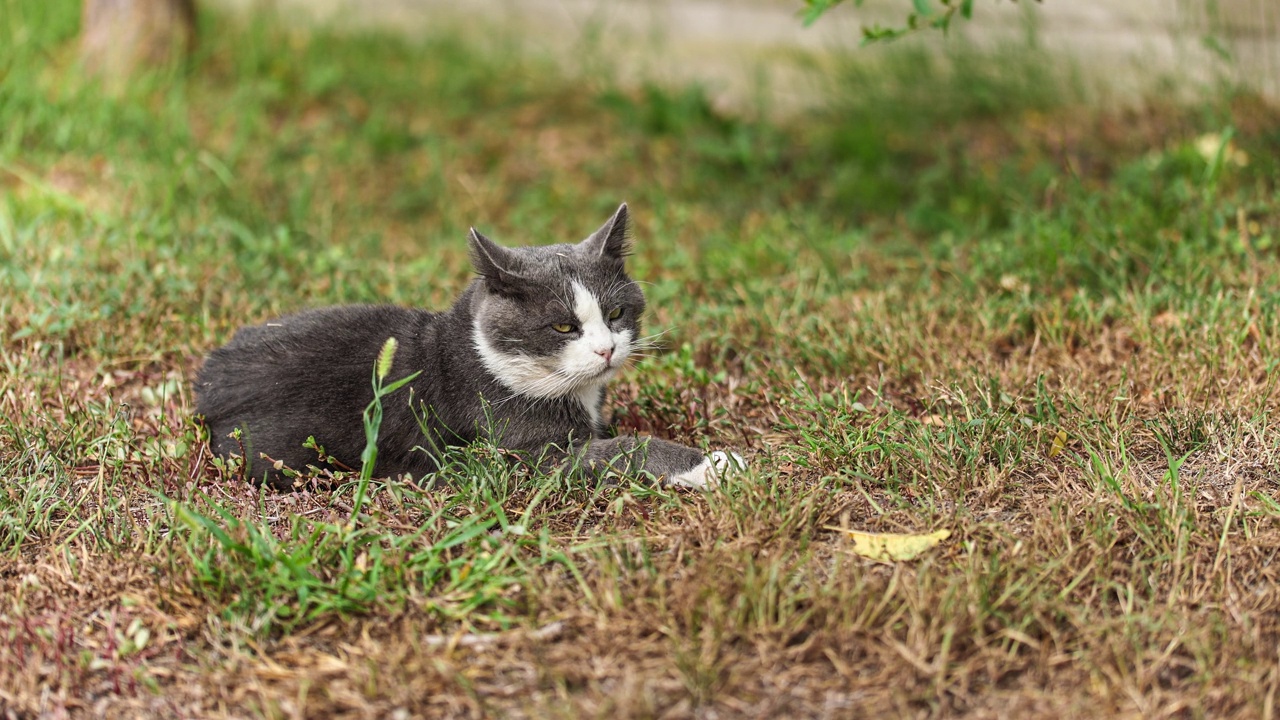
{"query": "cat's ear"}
pixel 612 240
pixel 494 263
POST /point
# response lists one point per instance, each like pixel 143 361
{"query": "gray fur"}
pixel 309 374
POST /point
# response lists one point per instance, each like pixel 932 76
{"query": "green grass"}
pixel 893 305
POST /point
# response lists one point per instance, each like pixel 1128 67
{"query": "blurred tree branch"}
pixel 118 37
pixel 935 14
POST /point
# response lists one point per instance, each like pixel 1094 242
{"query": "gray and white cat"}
pixel 521 359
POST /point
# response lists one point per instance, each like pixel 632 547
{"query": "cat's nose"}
pixel 606 353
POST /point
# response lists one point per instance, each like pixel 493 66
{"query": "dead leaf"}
pixel 888 547
pixel 1059 443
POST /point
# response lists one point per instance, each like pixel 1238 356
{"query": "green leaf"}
pixel 196 520
pixel 399 383
pixel 815 10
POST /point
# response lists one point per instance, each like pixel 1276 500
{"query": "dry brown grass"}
pixel 1055 597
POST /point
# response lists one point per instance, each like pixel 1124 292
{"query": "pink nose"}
pixel 606 354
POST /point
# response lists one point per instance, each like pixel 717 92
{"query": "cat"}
pixel 521 359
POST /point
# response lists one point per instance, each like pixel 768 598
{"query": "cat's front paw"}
pixel 717 466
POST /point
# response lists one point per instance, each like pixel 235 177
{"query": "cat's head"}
pixel 556 320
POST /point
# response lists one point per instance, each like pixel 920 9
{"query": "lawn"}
pixel 952 296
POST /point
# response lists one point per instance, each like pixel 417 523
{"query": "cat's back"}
pixel 320 347
pixel 328 330
pixel 306 374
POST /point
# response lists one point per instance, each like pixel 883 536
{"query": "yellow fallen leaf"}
pixel 1059 443
pixel 890 546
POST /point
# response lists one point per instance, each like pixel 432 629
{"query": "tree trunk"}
pixel 121 36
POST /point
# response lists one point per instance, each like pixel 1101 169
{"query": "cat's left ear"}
pixel 612 240
pixel 496 264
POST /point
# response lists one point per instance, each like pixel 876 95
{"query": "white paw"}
pixel 717 466
pixel 727 463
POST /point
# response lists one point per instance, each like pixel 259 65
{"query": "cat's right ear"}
pixel 496 264
pixel 611 240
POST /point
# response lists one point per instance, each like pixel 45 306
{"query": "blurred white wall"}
pixel 1126 48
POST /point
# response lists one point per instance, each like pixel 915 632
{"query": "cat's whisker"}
pixel 567 300
pixel 649 340
pixel 617 285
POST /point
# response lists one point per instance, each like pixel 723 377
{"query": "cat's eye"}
pixel 617 313
pixel 562 327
